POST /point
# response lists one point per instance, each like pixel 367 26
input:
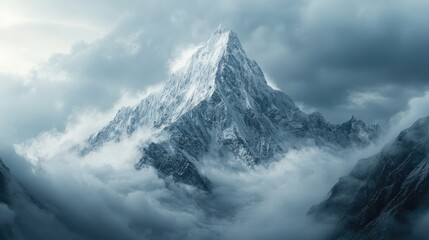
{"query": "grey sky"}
pixel 341 58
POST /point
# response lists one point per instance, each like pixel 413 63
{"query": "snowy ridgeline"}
pixel 219 102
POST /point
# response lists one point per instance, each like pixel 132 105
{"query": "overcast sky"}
pixel 360 57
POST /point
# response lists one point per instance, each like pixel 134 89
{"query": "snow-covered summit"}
pixel 201 75
pixel 219 101
pixel 196 81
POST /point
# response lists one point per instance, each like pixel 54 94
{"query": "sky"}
pixel 363 58
pixel 67 66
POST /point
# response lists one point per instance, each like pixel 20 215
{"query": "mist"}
pixel 102 195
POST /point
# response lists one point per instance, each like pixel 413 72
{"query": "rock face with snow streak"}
pixel 219 102
pixel 383 194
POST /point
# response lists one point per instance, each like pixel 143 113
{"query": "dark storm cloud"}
pixel 338 48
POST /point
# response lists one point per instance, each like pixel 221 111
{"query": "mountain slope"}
pixel 5 229
pixel 24 215
pixel 219 102
pixel 382 193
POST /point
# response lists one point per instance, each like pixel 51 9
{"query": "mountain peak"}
pixel 220 65
pixel 220 101
pixel 224 40
pixel 221 29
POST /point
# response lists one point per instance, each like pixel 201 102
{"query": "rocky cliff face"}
pixel 383 193
pixel 220 102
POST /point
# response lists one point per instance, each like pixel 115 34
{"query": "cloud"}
pixel 53 26
pixel 361 99
pixel 117 201
pixel 329 50
pixel 101 195
pixel 417 108
pixel 272 201
pixel 182 57
pixel 6 215
pixel 421 223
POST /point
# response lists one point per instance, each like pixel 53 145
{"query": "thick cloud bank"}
pixel 102 195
